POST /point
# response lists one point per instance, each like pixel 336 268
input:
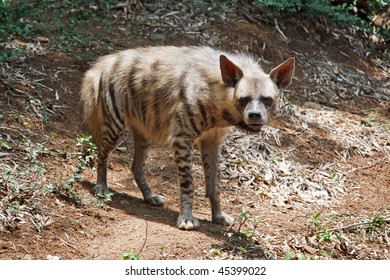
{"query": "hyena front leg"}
pixel 140 152
pixel 182 149
pixel 210 149
pixel 110 138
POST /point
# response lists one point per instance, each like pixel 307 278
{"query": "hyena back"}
pixel 178 96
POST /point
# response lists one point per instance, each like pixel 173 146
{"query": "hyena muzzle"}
pixel 179 96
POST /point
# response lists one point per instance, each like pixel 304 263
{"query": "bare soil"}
pixel 324 104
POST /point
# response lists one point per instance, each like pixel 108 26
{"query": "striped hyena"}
pixel 179 96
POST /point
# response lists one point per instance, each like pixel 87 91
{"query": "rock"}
pixel 53 258
pixel 157 37
pixel 312 105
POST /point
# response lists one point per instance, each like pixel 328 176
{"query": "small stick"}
pixel 366 166
pixel 67 244
pixel 351 226
pixel 146 237
pixel 24 249
pixel 279 30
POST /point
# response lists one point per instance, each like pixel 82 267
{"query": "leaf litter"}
pixel 264 165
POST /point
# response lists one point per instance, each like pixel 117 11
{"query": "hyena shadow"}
pixel 230 240
pixel 136 207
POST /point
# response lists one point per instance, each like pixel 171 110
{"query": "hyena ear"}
pixel 231 73
pixel 282 74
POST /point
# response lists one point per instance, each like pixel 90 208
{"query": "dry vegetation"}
pixel 313 185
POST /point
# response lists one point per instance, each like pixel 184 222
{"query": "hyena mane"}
pixel 177 96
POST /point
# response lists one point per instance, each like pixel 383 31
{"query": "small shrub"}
pixel 85 156
pixel 246 218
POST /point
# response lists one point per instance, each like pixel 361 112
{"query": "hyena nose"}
pixel 254 116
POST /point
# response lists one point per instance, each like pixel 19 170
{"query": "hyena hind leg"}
pixel 110 138
pixel 210 149
pixel 140 152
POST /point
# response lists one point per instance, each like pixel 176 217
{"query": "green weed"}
pixel 377 223
pixel 130 255
pixel 14 207
pixel 242 250
pixel 35 152
pixel 20 181
pixel 294 256
pixel 244 240
pixel 337 15
pixel 323 235
pixel 246 218
pixel 85 156
pixel 216 252
pixel 4 145
pixel 26 20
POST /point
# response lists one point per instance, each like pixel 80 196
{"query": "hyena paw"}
pixel 155 200
pixel 102 190
pixel 222 219
pixel 187 223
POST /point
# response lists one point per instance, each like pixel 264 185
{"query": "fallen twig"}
pixel 387 220
pixel 279 30
pixel 67 244
pixel 146 237
pixel 363 168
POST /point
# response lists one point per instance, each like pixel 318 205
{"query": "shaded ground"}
pixel 327 152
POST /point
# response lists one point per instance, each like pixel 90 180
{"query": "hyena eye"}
pixel 267 101
pixel 244 100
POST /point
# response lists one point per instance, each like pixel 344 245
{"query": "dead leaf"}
pixel 309 249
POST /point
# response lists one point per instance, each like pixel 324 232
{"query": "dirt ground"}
pixel 328 152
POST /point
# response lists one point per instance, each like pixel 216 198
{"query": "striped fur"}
pixel 177 96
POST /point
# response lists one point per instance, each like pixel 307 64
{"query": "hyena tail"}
pixel 92 106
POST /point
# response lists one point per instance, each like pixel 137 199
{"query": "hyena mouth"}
pixel 254 127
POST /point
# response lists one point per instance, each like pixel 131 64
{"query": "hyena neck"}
pixel 223 111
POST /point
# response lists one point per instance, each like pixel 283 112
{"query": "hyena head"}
pixel 255 93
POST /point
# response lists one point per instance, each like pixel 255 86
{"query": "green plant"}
pixel 253 221
pixel 34 153
pixel 4 145
pixel 85 156
pixel 14 207
pixel 291 256
pixel 216 252
pixel 303 179
pixel 25 20
pixel 130 255
pixel 301 257
pixel 242 250
pixel 163 249
pixel 376 223
pixel 25 178
pixel 322 234
pixel 336 14
pixel 316 221
pixel 88 151
pixel 325 236
pixel 13 18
